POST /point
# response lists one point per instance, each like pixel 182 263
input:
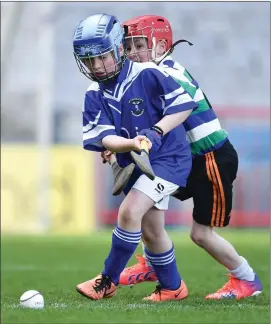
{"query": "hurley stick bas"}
pixel 143 161
pixel 121 175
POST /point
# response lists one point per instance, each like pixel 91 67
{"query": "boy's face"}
pixel 137 49
pixel 102 66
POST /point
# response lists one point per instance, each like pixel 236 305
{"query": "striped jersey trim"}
pixel 202 106
pixel 209 143
pixel 203 130
pixel 95 132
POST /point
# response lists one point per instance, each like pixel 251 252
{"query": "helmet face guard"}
pixel 144 33
pixel 136 54
pixel 86 66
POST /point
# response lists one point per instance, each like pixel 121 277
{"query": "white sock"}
pixel 144 255
pixel 243 272
pixel 143 249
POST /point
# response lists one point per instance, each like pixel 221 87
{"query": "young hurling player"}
pixel 214 166
pixel 130 102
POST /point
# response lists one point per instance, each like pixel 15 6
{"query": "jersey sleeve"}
pixel 172 96
pixel 96 125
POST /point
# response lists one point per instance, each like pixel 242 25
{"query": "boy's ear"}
pixel 161 47
pixel 121 49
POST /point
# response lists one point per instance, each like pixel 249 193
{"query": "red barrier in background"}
pixel 238 218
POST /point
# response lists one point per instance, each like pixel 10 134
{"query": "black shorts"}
pixel 210 185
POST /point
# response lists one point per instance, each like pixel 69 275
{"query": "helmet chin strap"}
pixel 157 60
pixel 153 52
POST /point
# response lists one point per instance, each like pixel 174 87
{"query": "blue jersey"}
pixel 140 96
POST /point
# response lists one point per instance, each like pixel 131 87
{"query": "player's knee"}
pixel 153 235
pixel 149 236
pixel 199 236
pixel 128 217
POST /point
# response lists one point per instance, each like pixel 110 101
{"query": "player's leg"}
pixel 161 255
pixel 219 248
pixel 159 247
pixel 243 281
pixel 125 239
pixel 212 197
pixel 142 271
pixel 155 236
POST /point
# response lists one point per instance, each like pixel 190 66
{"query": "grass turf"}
pixel 54 265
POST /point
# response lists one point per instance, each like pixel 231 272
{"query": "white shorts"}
pixel 158 190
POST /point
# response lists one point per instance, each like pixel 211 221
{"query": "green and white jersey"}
pixel 203 128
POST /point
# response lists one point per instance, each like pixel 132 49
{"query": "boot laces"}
pixel 102 283
pixel 158 290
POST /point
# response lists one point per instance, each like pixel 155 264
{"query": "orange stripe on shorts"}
pixel 221 190
pixel 215 197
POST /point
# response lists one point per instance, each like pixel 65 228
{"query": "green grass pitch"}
pixel 54 265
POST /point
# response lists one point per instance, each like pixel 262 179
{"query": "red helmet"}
pixel 154 28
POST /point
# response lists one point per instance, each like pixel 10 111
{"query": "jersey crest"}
pixel 137 108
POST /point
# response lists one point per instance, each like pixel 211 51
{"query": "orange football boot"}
pixel 97 288
pixel 137 273
pixel 237 289
pixel 160 295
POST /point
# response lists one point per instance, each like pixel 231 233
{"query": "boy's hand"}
pixel 137 141
pixel 154 137
pixel 106 156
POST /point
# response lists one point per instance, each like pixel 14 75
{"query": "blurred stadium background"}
pixel 49 184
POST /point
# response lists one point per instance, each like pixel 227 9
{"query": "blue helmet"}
pixel 95 36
